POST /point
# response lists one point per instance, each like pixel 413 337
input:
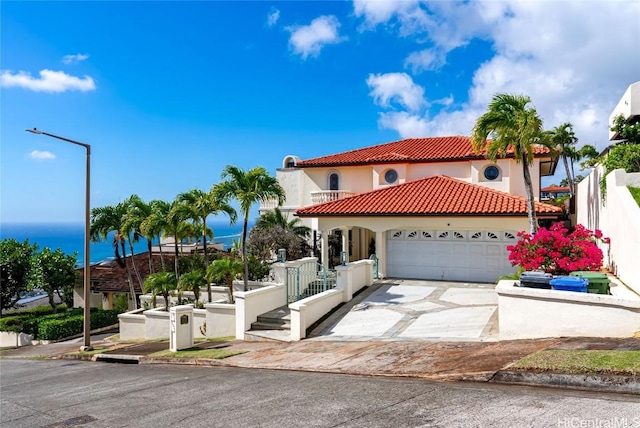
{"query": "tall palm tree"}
pixel 130 228
pixel 199 205
pixel 156 222
pixel 175 226
pixel 276 218
pixel 247 187
pixel 513 128
pixel 225 269
pixel 137 212
pixel 563 139
pixel 162 283
pixel 105 220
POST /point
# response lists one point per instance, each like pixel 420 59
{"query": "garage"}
pixel 449 255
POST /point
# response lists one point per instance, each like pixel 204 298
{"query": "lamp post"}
pixel 87 224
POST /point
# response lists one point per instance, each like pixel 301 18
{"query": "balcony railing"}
pixel 269 204
pixel 329 195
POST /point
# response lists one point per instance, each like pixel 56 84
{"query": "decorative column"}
pixel 325 248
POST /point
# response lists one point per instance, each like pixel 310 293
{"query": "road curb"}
pixel 592 382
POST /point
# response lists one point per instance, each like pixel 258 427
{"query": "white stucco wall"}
pixel 132 325
pixel 618 219
pixel 221 319
pixel 307 311
pixel 530 313
pixel 250 304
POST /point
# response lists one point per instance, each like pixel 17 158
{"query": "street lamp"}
pixel 87 219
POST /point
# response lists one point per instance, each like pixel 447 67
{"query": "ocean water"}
pixel 69 237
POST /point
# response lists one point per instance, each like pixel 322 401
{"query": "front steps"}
pixel 274 325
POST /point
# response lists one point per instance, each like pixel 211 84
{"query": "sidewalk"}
pixel 434 360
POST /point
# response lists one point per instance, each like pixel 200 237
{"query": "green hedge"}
pixel 58 326
pixel 54 329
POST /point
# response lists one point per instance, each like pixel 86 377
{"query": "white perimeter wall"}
pixel 618 218
pixel 530 313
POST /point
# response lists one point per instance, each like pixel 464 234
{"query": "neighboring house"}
pixel 553 192
pixel 108 278
pixel 428 208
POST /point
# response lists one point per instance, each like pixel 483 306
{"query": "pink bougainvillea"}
pixel 558 252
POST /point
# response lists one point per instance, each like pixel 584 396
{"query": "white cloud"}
pixel 41 155
pixel 308 40
pixel 571 60
pixel 71 59
pixel 381 11
pixel 398 88
pixel 49 81
pixel 273 17
pixel 426 59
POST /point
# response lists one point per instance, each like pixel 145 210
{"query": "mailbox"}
pixel 181 326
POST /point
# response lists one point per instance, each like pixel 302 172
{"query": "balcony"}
pixel 322 196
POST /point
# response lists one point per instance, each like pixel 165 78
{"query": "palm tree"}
pixel 174 226
pixel 155 223
pixel 247 187
pixel 130 228
pixel 564 140
pixel 162 283
pixel 105 220
pixel 137 212
pixel 514 128
pixel 192 281
pixel 225 269
pixel 275 218
pixel 199 205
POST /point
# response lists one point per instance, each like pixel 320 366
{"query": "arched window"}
pixel 334 181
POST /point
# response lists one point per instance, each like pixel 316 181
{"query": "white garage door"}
pixel 450 255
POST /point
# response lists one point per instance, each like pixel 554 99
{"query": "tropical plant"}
pixel 192 281
pixel 199 205
pixel 155 223
pixel 138 211
pixel 54 272
pixel 247 187
pixel 276 218
pixel 130 229
pixel 589 156
pixel 557 251
pixel 162 283
pixel 225 270
pixel 175 226
pixel 105 220
pixel 513 128
pixel 628 132
pixel 15 267
pixel 564 140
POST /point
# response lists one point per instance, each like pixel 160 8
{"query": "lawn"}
pixel 635 192
pixel 211 353
pixel 582 362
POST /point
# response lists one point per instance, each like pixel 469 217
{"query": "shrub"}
pixel 103 318
pixel 558 252
pixel 54 329
pixel 57 326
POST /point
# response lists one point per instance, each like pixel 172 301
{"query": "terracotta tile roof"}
pixel 410 150
pixel 110 276
pixel 555 189
pixel 432 196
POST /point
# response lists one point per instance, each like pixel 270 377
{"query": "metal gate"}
pixel 308 279
pixel 375 266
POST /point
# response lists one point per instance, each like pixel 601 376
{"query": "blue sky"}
pixel 168 93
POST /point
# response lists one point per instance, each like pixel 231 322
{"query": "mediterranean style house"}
pixel 428 208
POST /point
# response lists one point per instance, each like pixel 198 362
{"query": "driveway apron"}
pixel 401 309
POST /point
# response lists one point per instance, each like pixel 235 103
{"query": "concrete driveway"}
pixel 401 309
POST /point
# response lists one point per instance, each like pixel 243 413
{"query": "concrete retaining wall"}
pixel 530 313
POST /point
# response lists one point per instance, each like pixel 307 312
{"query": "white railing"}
pixel 269 204
pixel 321 196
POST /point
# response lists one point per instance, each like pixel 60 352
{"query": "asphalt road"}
pixel 60 393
